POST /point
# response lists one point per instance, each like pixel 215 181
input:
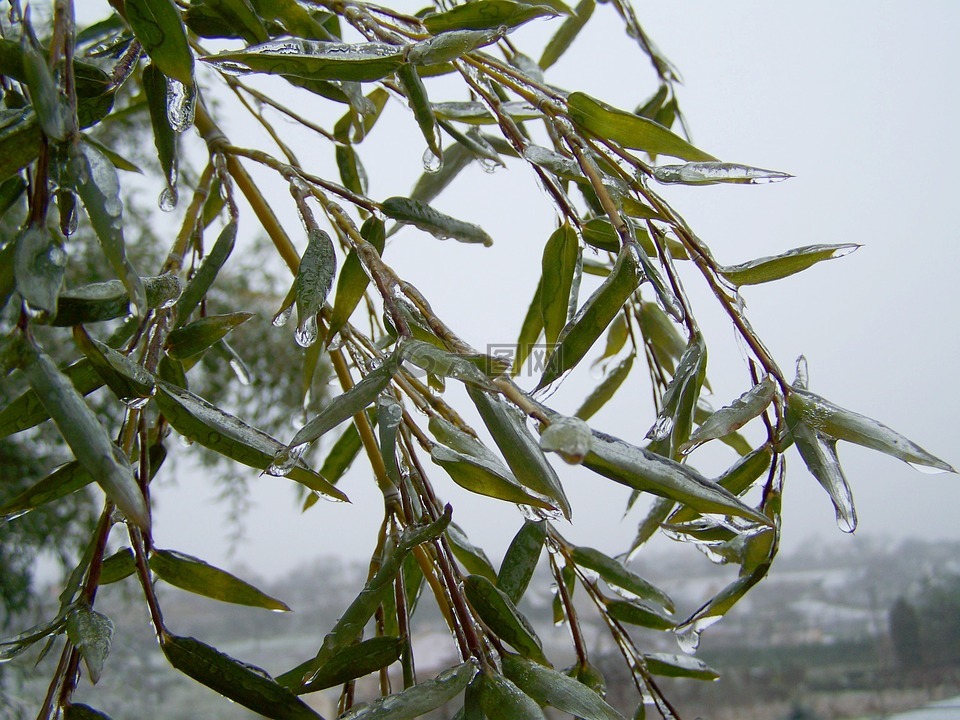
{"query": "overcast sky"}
pixel 858 101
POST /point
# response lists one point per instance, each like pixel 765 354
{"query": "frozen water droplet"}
pixel 306 333
pixel 802 380
pixel 689 641
pixel 846 522
pixel 34 313
pixel 431 161
pixel 181 105
pixel 661 428
pixel 489 166
pixel 135 403
pixel 184 440
pixel 281 318
pixel 286 459
pixel 168 198
pixel 69 216
pixel 926 469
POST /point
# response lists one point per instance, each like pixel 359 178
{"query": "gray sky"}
pixel 858 101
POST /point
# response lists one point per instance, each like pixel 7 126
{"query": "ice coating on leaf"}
pixel 448 46
pixel 733 416
pixel 777 267
pixel 181 105
pixel 553 161
pixel 711 173
pixel 39 264
pixel 432 163
pixel 568 437
pixel 314 281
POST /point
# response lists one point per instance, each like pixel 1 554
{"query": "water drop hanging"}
pixel 306 334
pixel 168 198
pixel 432 162
pixel 181 105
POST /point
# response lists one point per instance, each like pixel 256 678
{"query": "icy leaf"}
pixel 558 264
pixel 679 666
pixel 203 278
pixel 164 136
pixel 638 613
pixel 711 173
pixel 485 15
pixel 420 699
pixel 530 331
pixel 198 336
pixel 158 27
pixel 568 437
pixel 606 389
pixel 194 575
pixel 318 266
pixel 450 45
pixel 630 131
pixel 567 33
pixel 825 418
pixel 473 559
pixel 313 60
pixel 594 316
pixel 484 478
pixel 87 438
pixel 733 416
pixel 26 410
pixel 354 661
pixel 500 698
pixel 550 687
pixel 129 382
pixel 502 617
pixel 768 269
pixel 520 560
pixel 245 684
pixel 44 93
pixel 424 217
pixel 476 113
pixel 616 574
pixel 435 361
pixel 92 633
pixel 39 264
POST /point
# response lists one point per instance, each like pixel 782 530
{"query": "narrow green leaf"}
pixel 226 18
pixel 203 278
pixel 501 699
pixel 567 33
pixel 298 21
pixel 39 263
pixel 83 432
pixel 194 575
pixel 202 334
pixel 318 266
pixel 461 441
pixel 118 566
pixel 712 173
pixel 243 683
pixel 158 27
pixel 92 634
pixel 435 361
pixel 529 331
pixel 44 93
pixel 484 478
pixel 102 301
pixel 13 646
pixel 485 15
pixel 648 472
pixel 733 416
pixel 550 687
pixel 473 559
pixel 420 699
pixel 606 389
pixel 361 120
pixel 354 661
pixel 521 558
pixel 95 180
pixel 617 575
pixel 424 217
pixel 313 60
pixel 19 138
pixel 353 280
pixel 674 423
pixel 559 264
pixel 500 614
pixel 27 411
pixel 737 479
pixel 768 269
pixel 819 454
pixel 637 613
pixel 688 632
pixel 825 418
pixel 679 666
pixel 197 420
pixel 345 406
pixel 630 131
pixel 594 316
pixel 519 448
pixel 476 113
pixel 63 481
pixel 164 136
pixel 129 382
pixel 450 45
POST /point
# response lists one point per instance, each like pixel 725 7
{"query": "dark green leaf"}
pixel 353 281
pixel 462 441
pixel 484 478
pixel 736 479
pixel 485 15
pixel 567 33
pixel 226 18
pixel 26 410
pixel 550 687
pixel 501 699
pixel 19 140
pixel 95 180
pixel 679 666
pixel 243 683
pixel 61 482
pixel 158 27
pixel 129 382
pixel 44 93
pixel 502 617
pixel 606 389
pixel 520 560
pixel 559 265
pixel 92 634
pixel 200 335
pixel 295 18
pixel 39 264
pixel 102 301
pixel 768 269
pixel 424 217
pixel 596 314
pixel 628 130
pixel 313 60
pixel 637 613
pixel 688 632
pixel 354 661
pixel 199 421
pixel 674 423
pixel 83 432
pixel 207 272
pixel 520 450
pixel 164 136
pixel 422 698
pixel 118 566
pixel 473 559
pixel 318 266
pixel 617 575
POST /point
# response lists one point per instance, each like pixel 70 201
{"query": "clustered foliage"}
pixel 145 338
